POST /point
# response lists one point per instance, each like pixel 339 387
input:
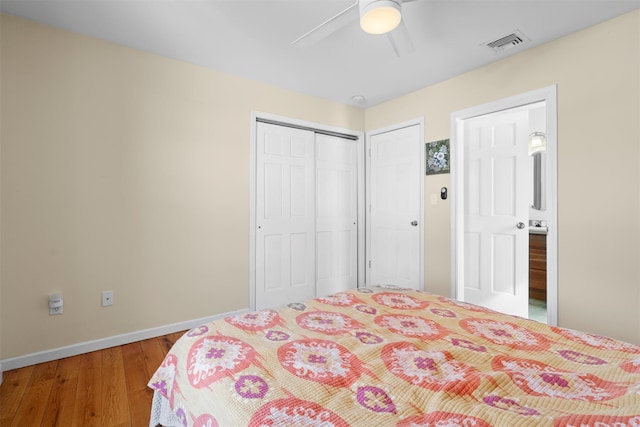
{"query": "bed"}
pixel 394 357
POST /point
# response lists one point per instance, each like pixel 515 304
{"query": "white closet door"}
pixel 285 215
pixel 336 214
pixel 395 175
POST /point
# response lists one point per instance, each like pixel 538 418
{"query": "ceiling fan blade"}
pixel 328 27
pixel 400 40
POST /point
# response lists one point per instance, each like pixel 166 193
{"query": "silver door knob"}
pixel 520 225
pixel 414 223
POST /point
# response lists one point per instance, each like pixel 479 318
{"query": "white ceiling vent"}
pixel 507 42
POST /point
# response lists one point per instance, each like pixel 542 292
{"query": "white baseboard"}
pixel 100 344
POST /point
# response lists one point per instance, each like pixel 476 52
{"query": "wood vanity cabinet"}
pixel 538 267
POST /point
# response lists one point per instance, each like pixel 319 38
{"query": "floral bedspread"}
pixel 391 357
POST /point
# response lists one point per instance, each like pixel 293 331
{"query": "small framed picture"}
pixel 438 157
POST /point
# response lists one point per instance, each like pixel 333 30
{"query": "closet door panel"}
pixel 285 215
pixel 336 214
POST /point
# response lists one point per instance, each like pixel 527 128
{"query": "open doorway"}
pixel 493 213
pixel 538 213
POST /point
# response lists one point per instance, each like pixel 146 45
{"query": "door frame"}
pixel 419 121
pixel 255 116
pixel 549 96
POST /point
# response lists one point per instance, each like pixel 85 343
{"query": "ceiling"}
pixel 252 38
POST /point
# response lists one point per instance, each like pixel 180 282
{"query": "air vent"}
pixel 507 42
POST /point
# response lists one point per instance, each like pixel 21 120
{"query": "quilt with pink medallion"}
pixel 391 357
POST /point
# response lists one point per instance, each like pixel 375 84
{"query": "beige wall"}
pixel 597 73
pixel 126 171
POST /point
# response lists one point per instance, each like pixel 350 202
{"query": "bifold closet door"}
pixel 285 215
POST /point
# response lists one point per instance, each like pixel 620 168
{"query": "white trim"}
pixel 413 122
pixel 255 115
pixel 362 212
pixel 100 344
pixel 549 96
pixel 252 209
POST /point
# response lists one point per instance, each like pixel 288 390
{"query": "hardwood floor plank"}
pixel 88 407
pixel 31 409
pixel 137 377
pixel 134 366
pixel 176 335
pixel 5 421
pixel 140 406
pixel 153 354
pixel 61 404
pixel 114 388
pixel 12 390
pixel 166 342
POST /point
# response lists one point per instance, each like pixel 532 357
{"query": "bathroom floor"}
pixel 538 310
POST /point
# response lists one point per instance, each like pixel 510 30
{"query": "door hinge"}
pixel 369 263
pixel 369 151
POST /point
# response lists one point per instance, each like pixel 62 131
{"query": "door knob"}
pixel 520 225
pixel 414 223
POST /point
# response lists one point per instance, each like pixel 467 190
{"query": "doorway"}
pixel 492 182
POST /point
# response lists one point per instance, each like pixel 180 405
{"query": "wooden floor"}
pixel 103 388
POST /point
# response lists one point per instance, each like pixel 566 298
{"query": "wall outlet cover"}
pixel 107 298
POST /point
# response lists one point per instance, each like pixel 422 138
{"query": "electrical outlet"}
pixel 107 298
pixel 55 304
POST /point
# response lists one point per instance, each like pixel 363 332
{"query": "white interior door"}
pixel 460 183
pixel 285 215
pixel 336 214
pixel 497 183
pixel 396 180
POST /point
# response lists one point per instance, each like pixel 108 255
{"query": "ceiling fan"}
pixel 376 17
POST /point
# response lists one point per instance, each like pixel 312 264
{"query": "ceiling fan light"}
pixel 379 16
